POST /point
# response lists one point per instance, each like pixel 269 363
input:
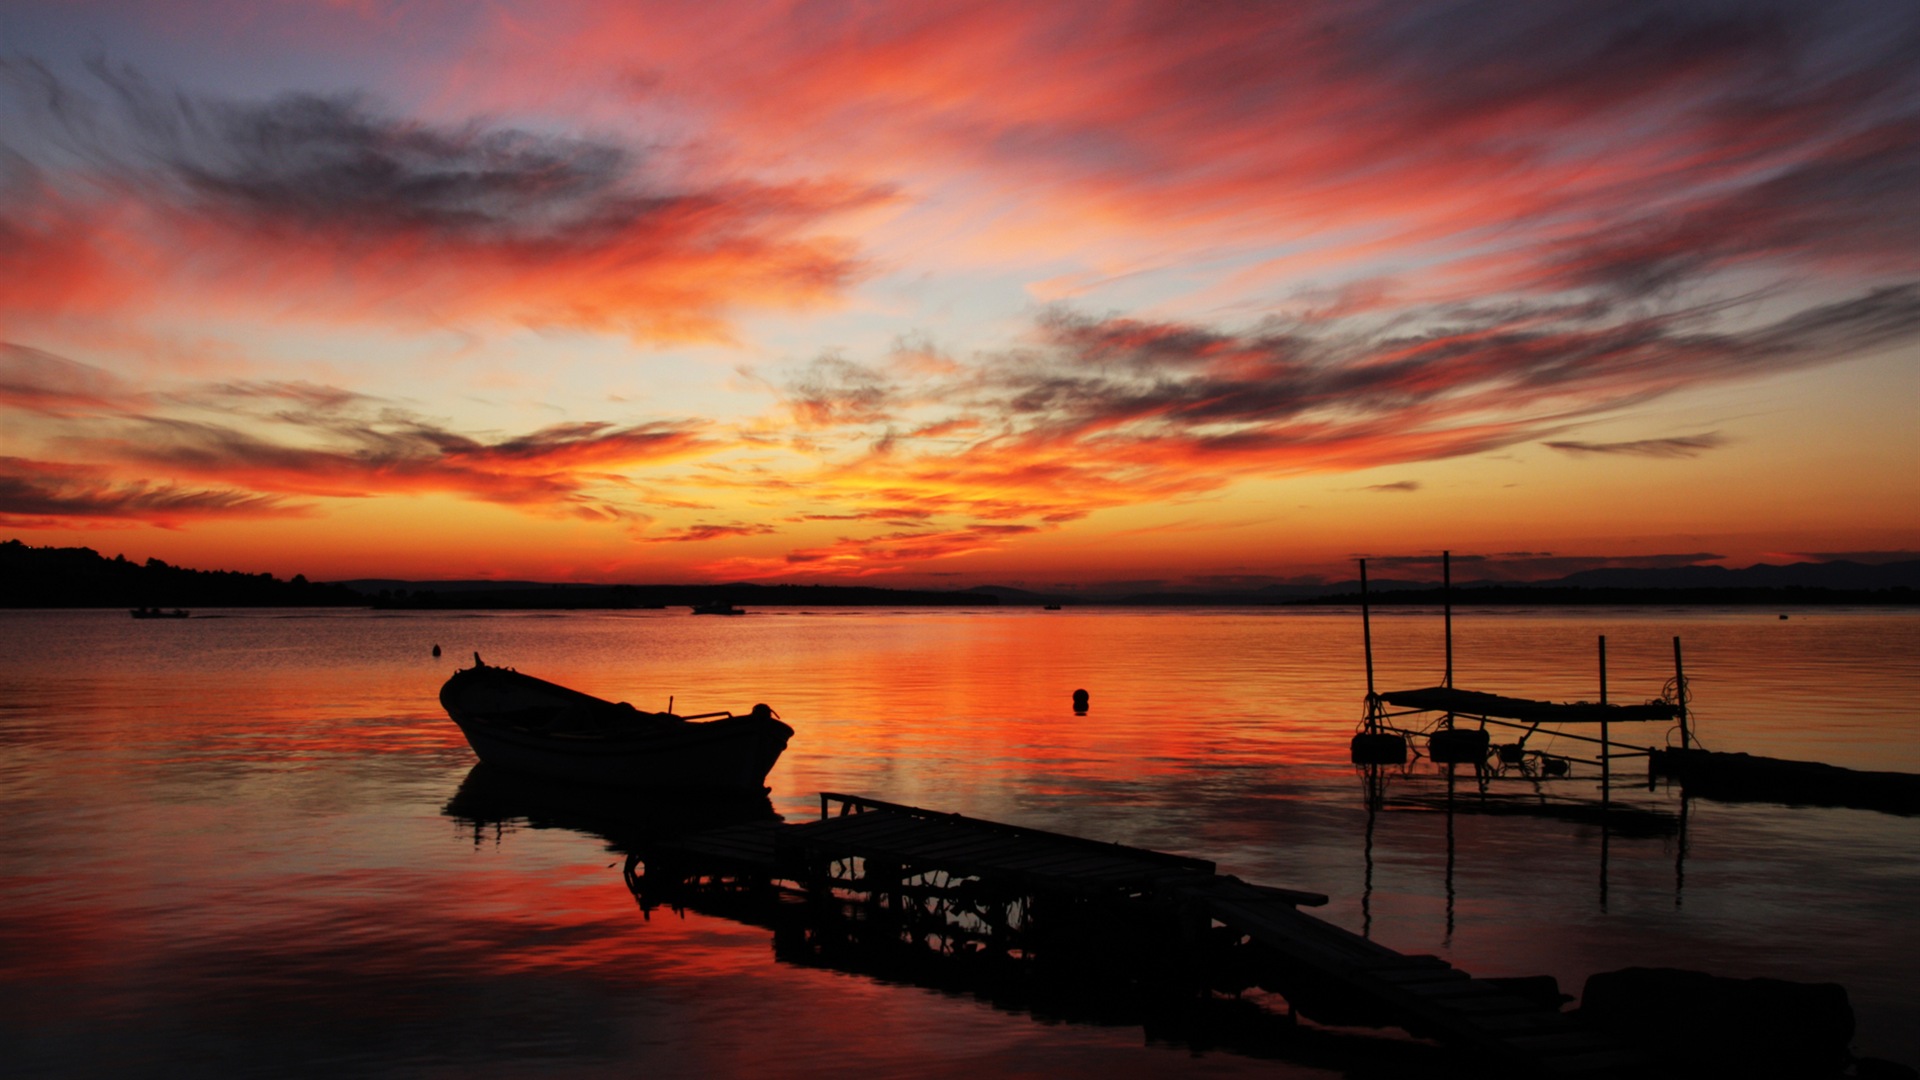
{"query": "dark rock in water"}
pixel 1708 1025
pixel 1542 990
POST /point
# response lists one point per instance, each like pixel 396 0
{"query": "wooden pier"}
pixel 969 892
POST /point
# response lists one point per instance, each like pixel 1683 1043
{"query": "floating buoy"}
pixel 436 650
pixel 1379 748
pixel 1458 746
pixel 1080 700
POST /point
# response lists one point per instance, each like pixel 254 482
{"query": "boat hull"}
pixel 525 725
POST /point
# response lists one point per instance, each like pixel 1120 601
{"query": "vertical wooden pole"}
pixel 1606 743
pixel 1446 595
pixel 1680 694
pixel 1366 633
pixel 1603 669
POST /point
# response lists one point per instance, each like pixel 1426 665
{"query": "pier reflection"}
pixel 1053 959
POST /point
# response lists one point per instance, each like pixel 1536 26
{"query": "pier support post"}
pixel 1446 597
pixel 1606 743
pixel 1366 638
pixel 1680 695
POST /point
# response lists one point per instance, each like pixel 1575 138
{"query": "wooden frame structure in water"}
pixel 1383 741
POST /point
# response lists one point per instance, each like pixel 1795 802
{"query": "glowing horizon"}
pixel 964 294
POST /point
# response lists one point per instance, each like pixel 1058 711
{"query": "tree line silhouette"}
pixel 81 577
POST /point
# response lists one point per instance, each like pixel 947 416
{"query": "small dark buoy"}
pixel 1080 703
pixel 436 650
pixel 1783 616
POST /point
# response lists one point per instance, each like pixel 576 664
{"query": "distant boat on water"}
pixel 717 607
pixel 156 613
pixel 526 725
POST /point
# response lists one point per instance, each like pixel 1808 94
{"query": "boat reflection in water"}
pixel 490 798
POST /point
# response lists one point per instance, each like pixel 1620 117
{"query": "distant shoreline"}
pixel 1583 596
pixel 81 578
pixel 624 598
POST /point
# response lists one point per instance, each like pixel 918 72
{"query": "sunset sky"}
pixel 947 294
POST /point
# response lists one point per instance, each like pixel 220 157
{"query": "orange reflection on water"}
pixel 234 835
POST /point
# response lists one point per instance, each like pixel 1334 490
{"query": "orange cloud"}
pixel 888 553
pixel 333 206
pixel 1171 128
pixel 41 494
pixel 278 439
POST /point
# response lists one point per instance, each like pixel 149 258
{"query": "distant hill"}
pixel 1840 574
pixel 81 577
pixel 1836 582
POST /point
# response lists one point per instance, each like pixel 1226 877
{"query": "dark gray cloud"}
pixel 37 381
pixel 397 454
pixel 1682 446
pixel 1281 387
pixel 1871 558
pixel 40 491
pixel 271 440
pixel 564 229
pixel 834 390
pixel 702 533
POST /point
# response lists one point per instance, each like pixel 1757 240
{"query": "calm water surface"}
pixel 227 844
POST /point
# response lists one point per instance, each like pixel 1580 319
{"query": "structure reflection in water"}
pixel 956 936
pixel 1452 789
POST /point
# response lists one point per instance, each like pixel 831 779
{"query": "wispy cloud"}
pixel 887 553
pixel 258 444
pixel 1397 487
pixel 702 533
pixel 1680 446
pixel 351 207
pixel 35 381
pixel 1111 411
pixel 1631 144
pixel 37 494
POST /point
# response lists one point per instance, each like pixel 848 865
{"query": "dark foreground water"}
pixel 227 844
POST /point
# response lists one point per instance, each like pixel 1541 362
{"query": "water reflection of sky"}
pixel 225 838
